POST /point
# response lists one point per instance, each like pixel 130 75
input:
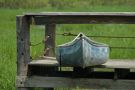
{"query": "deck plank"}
pixel 112 63
pixel 117 63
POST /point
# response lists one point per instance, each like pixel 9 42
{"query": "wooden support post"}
pixel 121 73
pixel 23 49
pixel 50 44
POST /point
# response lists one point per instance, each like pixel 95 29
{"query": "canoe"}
pixel 82 52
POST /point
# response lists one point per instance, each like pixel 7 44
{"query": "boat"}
pixel 82 52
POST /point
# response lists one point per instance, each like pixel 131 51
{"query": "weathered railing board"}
pixel 82 14
pixel 84 19
pixel 59 82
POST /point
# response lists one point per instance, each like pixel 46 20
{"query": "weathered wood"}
pixel 44 62
pixel 23 52
pixel 112 63
pixel 50 43
pixel 58 82
pixel 83 18
pixel 82 14
pixel 119 63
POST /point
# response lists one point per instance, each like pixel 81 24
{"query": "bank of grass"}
pixel 62 4
pixel 8 37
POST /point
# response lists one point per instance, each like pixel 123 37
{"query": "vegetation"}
pixel 8 29
pixel 62 4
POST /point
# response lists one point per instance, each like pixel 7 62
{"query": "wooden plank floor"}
pixel 112 63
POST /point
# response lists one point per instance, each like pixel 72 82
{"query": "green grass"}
pixel 8 36
pixel 62 4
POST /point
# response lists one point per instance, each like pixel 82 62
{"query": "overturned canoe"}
pixel 82 52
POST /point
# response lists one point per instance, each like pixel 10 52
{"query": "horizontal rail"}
pixel 83 19
pixel 82 14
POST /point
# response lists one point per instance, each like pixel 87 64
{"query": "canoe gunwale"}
pixel 78 38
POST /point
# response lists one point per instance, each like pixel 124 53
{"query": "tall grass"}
pixel 62 3
pixel 8 29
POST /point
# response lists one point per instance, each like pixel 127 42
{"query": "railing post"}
pixel 50 44
pixel 23 49
pixel 50 39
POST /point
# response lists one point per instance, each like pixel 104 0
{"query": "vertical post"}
pixel 50 42
pixel 50 45
pixel 23 49
pixel 120 73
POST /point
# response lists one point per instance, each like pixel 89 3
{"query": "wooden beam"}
pixel 84 20
pixel 83 17
pixel 59 82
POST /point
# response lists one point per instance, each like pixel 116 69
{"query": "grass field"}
pixel 8 35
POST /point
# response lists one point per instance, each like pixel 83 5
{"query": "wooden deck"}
pixel 71 79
